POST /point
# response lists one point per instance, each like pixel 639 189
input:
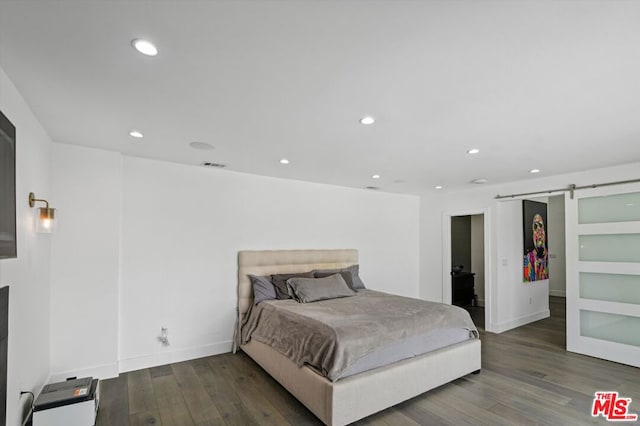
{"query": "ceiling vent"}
pixel 214 165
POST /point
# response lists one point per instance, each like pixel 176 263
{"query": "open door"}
pixel 603 273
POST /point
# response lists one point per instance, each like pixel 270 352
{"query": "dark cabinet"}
pixel 462 291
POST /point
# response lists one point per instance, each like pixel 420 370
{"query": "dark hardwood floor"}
pixel 527 378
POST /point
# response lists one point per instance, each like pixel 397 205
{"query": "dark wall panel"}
pixel 4 333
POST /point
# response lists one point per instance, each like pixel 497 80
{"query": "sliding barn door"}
pixel 603 273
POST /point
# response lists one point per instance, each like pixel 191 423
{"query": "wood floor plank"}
pixel 140 389
pixel 390 417
pixel 505 382
pixel 211 422
pixel 222 395
pixel 114 402
pixel 466 413
pixel 419 414
pixel 171 404
pixel 144 418
pixel 196 397
pixel 471 397
pixel 161 370
pixel 512 415
pixel 258 407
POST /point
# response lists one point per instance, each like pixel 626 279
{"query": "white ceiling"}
pixel 553 85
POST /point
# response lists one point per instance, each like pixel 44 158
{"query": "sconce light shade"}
pixel 45 222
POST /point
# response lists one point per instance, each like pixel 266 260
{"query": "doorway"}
pixel 466 263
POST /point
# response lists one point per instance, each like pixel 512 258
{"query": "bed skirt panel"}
pixel 358 396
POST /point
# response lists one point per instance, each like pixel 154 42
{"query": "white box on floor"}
pixel 71 403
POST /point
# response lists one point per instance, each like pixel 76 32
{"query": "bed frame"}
pixel 355 397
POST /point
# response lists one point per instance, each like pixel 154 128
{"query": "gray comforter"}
pixel 331 335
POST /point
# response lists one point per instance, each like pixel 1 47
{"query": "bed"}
pixel 351 398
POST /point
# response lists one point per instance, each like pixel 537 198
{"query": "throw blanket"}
pixel 331 335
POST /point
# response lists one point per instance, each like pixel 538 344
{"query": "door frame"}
pixel 489 292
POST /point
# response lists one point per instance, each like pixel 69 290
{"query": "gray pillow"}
pixel 305 290
pixel 346 276
pixel 262 289
pixel 279 281
pixel 356 282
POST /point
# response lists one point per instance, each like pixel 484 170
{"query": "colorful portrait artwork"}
pixel 536 252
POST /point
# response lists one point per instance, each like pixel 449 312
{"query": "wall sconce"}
pixel 46 223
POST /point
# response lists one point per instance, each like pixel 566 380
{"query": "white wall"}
pixel 477 255
pixel 85 262
pixel 518 302
pixel 505 224
pixel 431 247
pixel 557 256
pixel 28 275
pixel 181 229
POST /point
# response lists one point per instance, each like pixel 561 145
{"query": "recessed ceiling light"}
pixel 473 151
pixel 438 187
pixel 284 161
pixel 136 134
pixel 375 177
pixel 367 120
pixel 480 181
pixel 145 47
pixel 201 145
pixel 534 171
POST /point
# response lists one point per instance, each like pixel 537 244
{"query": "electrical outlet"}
pixel 164 336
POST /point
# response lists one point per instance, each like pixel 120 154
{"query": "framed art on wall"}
pixel 534 237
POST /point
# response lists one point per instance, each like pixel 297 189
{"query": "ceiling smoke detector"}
pixel 480 181
pixel 204 146
pixel 215 165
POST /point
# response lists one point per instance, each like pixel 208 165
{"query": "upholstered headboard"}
pixel 267 262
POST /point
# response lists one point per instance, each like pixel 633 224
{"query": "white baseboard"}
pixel 557 293
pixel 105 371
pixel 518 322
pixel 170 356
